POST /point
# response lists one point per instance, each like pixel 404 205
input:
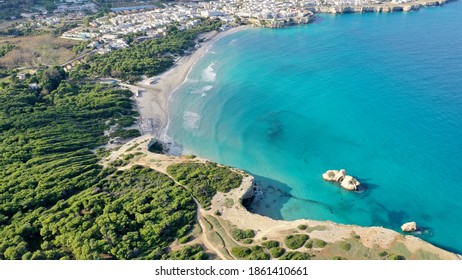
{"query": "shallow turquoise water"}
pixel 377 94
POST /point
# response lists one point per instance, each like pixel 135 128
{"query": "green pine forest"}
pixel 149 58
pixel 56 201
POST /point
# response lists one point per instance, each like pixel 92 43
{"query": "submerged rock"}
pixel 339 176
pixel 409 227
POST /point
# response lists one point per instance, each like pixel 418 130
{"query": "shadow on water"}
pixel 366 187
pixel 272 195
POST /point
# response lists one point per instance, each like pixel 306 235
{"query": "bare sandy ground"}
pixel 153 99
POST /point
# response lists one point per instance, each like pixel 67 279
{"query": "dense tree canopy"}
pixel 48 177
pixel 204 180
pixel 56 201
pixel 150 57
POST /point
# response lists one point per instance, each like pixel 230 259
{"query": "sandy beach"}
pixel 152 99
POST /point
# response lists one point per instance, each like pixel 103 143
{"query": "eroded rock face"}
pixel 409 227
pixel 340 177
pixel 349 183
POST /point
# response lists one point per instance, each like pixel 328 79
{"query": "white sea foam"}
pixel 209 75
pixel 191 120
pixel 203 90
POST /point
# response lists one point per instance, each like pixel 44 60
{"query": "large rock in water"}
pixel 349 183
pixel 409 227
pixel 339 176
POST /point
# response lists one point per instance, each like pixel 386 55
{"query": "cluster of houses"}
pixel 151 21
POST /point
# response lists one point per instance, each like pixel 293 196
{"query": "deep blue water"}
pixel 379 95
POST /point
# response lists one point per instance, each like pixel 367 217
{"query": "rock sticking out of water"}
pixel 340 177
pixel 409 227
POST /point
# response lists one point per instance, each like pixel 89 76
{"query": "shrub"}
pixel 258 254
pixel 239 234
pixel 156 147
pixel 253 253
pixel 184 239
pixel 396 257
pixel 126 133
pixel 247 241
pixel 309 244
pixel 194 252
pixel 338 258
pixel 276 252
pixel 383 254
pixel 296 256
pixel 270 244
pixel 190 156
pixel 218 213
pixel 241 252
pixel 302 227
pixel 296 241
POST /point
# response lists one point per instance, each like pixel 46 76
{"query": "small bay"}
pixel 379 95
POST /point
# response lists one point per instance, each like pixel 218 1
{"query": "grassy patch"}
pixel 345 246
pixel 36 51
pixel 215 238
pixel 424 255
pixel 318 228
pixel 319 243
pixel 229 202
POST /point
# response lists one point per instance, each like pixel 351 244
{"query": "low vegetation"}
pixel 250 253
pixel 294 255
pixel 276 252
pixel 194 252
pixel 270 244
pixel 239 234
pixel 345 246
pixel 319 243
pixel 5 49
pixel 302 227
pixel 205 180
pixel 57 202
pixel 295 241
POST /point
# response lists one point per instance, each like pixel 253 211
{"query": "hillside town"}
pixel 152 21
pixel 83 20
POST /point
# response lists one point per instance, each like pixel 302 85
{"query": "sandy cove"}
pixel 152 100
pixel 227 213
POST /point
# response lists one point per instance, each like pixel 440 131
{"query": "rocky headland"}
pixel 218 224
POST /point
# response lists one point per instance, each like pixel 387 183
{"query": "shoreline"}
pixel 153 100
pixel 154 104
pixel 367 242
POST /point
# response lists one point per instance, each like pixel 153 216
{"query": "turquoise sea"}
pixel 379 95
